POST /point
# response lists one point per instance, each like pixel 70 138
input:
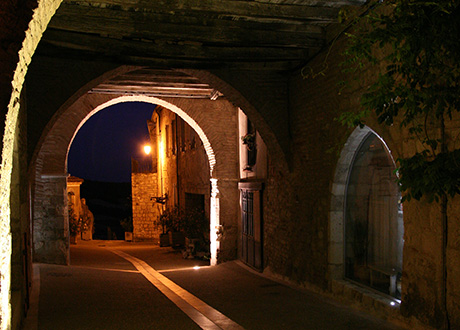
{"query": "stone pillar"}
pixel 50 223
pixel 228 197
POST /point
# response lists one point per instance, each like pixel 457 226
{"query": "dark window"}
pixel 373 220
pixel 248 212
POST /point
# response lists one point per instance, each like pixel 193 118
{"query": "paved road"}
pixel 117 285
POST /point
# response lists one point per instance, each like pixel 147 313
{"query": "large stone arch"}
pixel 50 169
pixel 48 164
pixel 42 13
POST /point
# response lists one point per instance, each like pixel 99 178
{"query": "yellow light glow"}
pixel 147 149
pixel 214 220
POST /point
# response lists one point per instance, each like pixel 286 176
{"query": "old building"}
pixel 303 198
pixel 177 172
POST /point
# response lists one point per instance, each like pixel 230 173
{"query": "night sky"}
pixel 104 145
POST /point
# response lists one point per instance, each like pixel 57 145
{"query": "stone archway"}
pixel 41 16
pixel 215 131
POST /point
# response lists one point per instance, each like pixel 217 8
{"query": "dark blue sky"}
pixel 103 147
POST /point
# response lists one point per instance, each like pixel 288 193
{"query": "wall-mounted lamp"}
pixel 161 199
pixel 147 149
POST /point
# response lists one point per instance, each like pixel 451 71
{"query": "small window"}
pixel 247 214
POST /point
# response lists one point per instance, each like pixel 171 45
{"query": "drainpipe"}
pixel 177 162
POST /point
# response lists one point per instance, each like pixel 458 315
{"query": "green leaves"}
pixel 413 47
pixel 420 176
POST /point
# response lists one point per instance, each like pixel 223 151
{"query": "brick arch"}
pixel 49 163
pixel 50 168
pixel 255 109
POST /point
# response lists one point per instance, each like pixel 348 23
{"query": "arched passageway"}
pixel 216 132
pixel 293 111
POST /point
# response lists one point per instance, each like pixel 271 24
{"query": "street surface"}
pixel 119 285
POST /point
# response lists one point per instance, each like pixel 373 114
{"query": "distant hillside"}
pixel 110 203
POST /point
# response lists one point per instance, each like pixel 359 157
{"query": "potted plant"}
pixel 171 222
pixel 163 222
pixel 249 140
pixel 196 229
pixel 74 227
pixel 74 222
pixel 176 234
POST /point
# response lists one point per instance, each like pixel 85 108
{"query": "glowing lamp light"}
pixel 147 149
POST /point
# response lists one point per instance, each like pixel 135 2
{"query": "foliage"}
pixel 196 224
pixel 171 219
pixel 192 222
pixel 74 222
pixel 415 45
pixel 249 140
pixel 76 225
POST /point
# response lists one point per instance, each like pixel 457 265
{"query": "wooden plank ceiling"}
pixel 203 34
pixel 158 83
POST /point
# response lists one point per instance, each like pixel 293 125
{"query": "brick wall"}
pixel 298 202
pixel 51 226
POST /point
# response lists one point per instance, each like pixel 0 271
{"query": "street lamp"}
pixel 147 149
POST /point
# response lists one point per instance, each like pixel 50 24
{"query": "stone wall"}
pixel 145 211
pixel 19 38
pixel 50 221
pixel 20 222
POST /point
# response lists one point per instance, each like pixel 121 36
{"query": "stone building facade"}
pixel 144 186
pixel 80 208
pixel 302 201
pixel 179 175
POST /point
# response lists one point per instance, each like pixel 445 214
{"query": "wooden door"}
pixel 251 228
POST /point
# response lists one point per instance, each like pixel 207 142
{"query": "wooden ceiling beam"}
pixel 156 88
pixel 149 72
pixel 275 24
pixel 148 84
pixel 123 25
pixel 135 79
pixel 233 8
pixel 121 47
pixel 328 3
pixel 273 65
